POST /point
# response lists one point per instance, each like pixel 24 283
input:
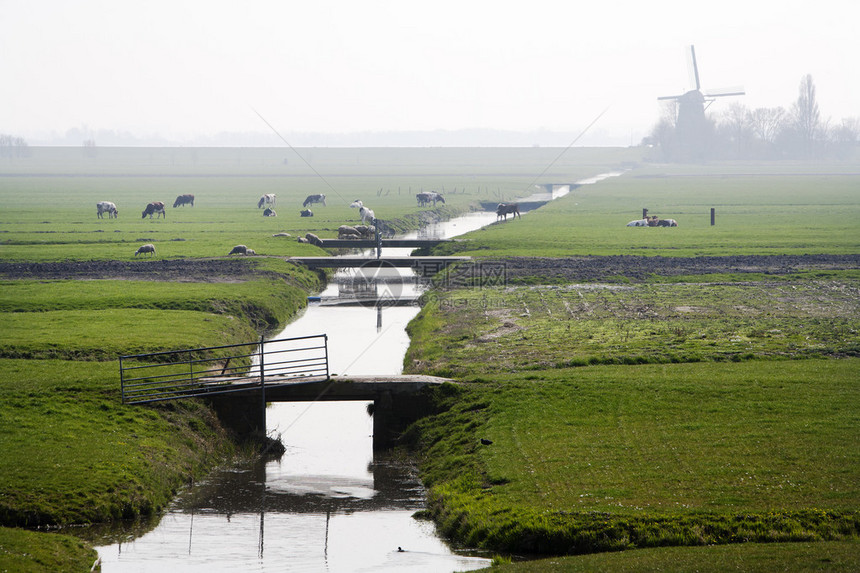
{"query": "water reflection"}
pixel 329 504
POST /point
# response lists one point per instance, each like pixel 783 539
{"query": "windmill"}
pixel 691 127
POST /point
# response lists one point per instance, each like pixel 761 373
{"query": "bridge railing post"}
pixel 263 380
pixel 121 380
pixel 325 345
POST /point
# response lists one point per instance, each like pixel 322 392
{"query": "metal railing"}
pixel 174 374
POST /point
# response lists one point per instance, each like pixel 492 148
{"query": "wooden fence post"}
pixel 713 216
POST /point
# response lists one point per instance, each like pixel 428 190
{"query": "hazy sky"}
pixel 179 68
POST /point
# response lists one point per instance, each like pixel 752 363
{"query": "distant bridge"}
pixel 423 266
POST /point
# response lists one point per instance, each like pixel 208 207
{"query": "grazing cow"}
pixel 667 223
pixel 238 250
pixel 267 199
pixel 505 209
pixel 103 207
pixel 143 249
pixel 311 199
pixel 184 200
pixel 638 223
pixel 424 199
pixel 154 208
pixel 269 212
pixel 365 213
pixel 306 213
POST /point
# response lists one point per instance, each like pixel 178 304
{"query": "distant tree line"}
pixel 11 146
pixel 762 133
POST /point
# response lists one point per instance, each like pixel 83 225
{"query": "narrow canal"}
pixel 330 504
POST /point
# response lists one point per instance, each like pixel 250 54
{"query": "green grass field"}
pixel 518 328
pixel 620 457
pixel 673 411
pixel 766 209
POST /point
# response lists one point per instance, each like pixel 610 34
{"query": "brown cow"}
pixel 154 208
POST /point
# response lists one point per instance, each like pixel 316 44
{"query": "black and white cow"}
pixel 425 198
pixel 311 199
pixel 267 199
pixel 103 207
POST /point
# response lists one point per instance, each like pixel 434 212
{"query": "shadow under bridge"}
pixel 239 380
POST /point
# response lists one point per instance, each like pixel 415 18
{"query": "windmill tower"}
pixel 692 128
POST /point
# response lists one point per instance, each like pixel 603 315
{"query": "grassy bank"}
pixel 837 556
pixel 605 458
pixel 31 552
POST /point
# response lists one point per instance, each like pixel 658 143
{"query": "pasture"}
pixel 765 209
pixel 50 198
pixel 668 410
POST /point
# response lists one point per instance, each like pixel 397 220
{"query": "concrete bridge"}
pixel 239 380
pixel 423 266
pixel 398 400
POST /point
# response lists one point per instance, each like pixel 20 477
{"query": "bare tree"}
pixel 12 146
pixel 766 122
pixel 735 125
pixel 805 115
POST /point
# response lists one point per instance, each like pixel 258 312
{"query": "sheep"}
pixel 143 249
pixel 238 250
pixel 347 232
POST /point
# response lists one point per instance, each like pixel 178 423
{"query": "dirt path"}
pixel 609 269
pixel 178 270
pixel 516 269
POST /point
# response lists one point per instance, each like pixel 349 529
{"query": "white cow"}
pixel 103 207
pixel 267 199
pixel 638 223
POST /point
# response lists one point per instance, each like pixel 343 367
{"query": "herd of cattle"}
pixel 363 231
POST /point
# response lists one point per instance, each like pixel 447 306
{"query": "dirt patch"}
pixel 174 270
pixel 537 270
